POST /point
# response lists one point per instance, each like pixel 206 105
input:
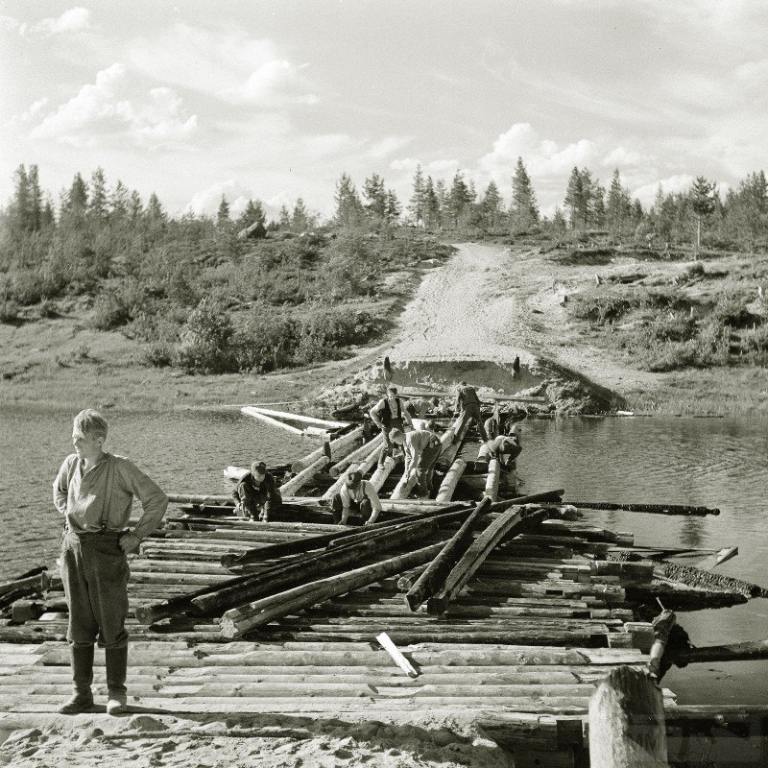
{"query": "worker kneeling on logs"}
pixel 422 450
pixel 256 495
pixel 356 495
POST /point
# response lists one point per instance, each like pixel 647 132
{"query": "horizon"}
pixel 278 99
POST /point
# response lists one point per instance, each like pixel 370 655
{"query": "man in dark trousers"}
pixel 256 494
pixel 94 490
pixel 468 404
pixel 390 413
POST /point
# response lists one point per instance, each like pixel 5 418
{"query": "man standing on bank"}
pixel 94 491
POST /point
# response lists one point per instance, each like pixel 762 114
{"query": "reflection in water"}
pixel 691 534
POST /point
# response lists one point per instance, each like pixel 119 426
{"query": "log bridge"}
pixel 504 615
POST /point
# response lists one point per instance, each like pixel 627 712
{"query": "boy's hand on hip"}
pixel 129 542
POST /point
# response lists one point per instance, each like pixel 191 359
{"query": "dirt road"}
pixel 492 303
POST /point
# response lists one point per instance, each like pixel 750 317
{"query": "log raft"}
pixel 524 616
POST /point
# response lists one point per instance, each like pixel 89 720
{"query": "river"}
pixel 712 462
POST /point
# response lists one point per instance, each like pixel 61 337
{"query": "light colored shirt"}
pixel 363 490
pixel 100 498
pixel 416 443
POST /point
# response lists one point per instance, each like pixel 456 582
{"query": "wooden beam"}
pixel 437 571
pixel 516 518
pixel 270 421
pixel 251 409
pixel 338 448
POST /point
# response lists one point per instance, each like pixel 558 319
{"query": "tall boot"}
pixel 82 677
pixel 117 668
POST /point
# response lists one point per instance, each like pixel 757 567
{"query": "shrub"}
pixel 731 310
pixel 109 312
pixel 599 306
pixel 47 309
pixel 267 342
pixel 205 344
pixel 27 287
pixel 9 311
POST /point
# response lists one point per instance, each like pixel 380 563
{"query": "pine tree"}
pixel 574 198
pixel 459 199
pixel 491 208
pixel 252 214
pixel 598 205
pixel 284 217
pixel 75 201
pixel 222 214
pixel 392 208
pixel 119 202
pixel 47 218
pixel 35 201
pixel 135 207
pixel 416 204
pixel 618 207
pixel 702 196
pixel 97 204
pixel 524 211
pixel 375 198
pixel 20 206
pixel 431 206
pixel 154 216
pixel 349 209
pixel 300 219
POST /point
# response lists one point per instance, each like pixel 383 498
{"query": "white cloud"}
pixel 387 145
pixel 103 111
pixel 620 156
pixel 542 157
pixel 230 66
pixel 670 185
pixel 206 202
pixel 72 20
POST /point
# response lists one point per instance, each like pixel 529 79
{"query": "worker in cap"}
pixel 256 495
pixel 355 495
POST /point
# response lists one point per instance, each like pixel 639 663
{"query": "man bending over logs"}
pixel 468 404
pixel 94 491
pixel 505 448
pixel 256 495
pixel 356 495
pixel 422 450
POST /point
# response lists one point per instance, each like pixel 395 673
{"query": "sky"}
pixel 274 99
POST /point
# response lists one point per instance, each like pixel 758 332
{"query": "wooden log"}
pixel 321 541
pixel 363 452
pixel 452 476
pixel 436 572
pixel 451 441
pixel 492 480
pixel 500 506
pixel 261 612
pixel 338 448
pixel 305 476
pixel 404 486
pixel 289 575
pixel 269 420
pixel 626 722
pixel 653 509
pixel 516 518
pixel 36 582
pixel 248 410
pixel 687 574
pixel 753 649
pixel 382 473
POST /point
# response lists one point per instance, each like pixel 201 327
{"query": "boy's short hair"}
pixel 258 467
pixel 91 422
